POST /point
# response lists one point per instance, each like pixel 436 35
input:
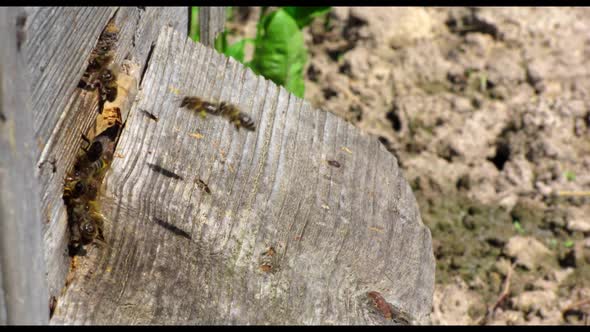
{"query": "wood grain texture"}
pixel 23 289
pixel 337 233
pixel 58 45
pixel 211 23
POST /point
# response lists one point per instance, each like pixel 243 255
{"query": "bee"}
pixel 227 110
pixel 99 60
pixel 94 149
pixel 101 75
pixel 235 116
pixel 203 186
pixel 107 83
pixel 86 224
pixel 93 161
pixel 110 31
pixel 197 104
pixel 91 227
pixel 76 188
pixel 334 163
pixel 149 115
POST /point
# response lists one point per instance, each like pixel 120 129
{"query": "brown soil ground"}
pixel 488 113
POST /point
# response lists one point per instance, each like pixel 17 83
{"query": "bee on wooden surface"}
pixel 197 104
pixel 75 188
pixel 94 160
pixel 94 170
pixel 99 61
pixel 203 186
pixel 86 223
pixel 235 116
pixel 100 58
pixel 149 115
pixel 107 83
pixel 105 80
pixel 97 146
pixel 92 228
pixel 110 31
pixel 334 163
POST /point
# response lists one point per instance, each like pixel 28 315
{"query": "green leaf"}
pixel 305 15
pixel 280 53
pixel 569 175
pixel 194 26
pixel 568 244
pixel 518 227
pixel 221 42
pixel 236 50
pixel 483 82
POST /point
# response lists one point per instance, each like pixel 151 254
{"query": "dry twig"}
pixel 503 295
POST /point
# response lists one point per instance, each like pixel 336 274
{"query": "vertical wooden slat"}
pixel 58 44
pixel 23 290
pixel 211 23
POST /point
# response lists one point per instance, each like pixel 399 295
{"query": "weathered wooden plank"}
pixel 23 289
pixel 64 112
pixel 336 232
pixel 211 23
pixel 59 41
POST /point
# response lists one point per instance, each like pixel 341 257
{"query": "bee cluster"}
pixel 101 71
pixel 229 111
pixel 82 184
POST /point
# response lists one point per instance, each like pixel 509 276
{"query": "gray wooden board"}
pixel 211 23
pixel 23 289
pixel 338 232
pixel 58 45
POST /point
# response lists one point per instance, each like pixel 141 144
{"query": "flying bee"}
pixel 197 104
pixel 235 116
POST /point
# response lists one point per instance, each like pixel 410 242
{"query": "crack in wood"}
pixel 147 63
